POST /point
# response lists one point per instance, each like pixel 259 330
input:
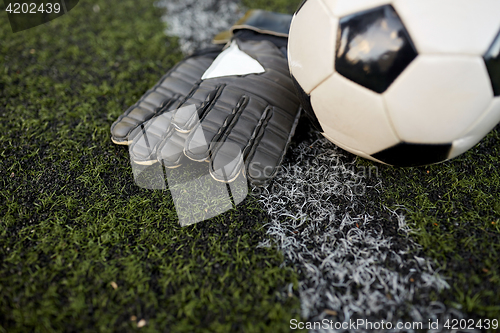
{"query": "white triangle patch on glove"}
pixel 233 62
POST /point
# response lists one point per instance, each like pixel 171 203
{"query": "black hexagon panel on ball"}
pixel 373 48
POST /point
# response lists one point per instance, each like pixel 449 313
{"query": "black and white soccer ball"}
pixel 403 82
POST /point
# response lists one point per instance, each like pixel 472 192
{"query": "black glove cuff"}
pixel 246 35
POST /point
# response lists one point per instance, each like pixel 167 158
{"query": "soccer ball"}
pixel 402 82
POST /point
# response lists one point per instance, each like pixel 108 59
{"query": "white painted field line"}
pixel 350 264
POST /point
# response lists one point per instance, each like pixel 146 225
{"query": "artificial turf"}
pixel 82 248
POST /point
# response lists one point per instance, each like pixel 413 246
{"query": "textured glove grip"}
pixel 171 88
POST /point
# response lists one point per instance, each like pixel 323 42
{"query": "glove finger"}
pixel 237 139
pixel 214 120
pixel 146 138
pixel 157 135
pixel 170 151
pixel 202 99
pixel 172 87
pixel 159 140
pixel 138 114
pixel 184 118
pixel 228 163
pixel 270 146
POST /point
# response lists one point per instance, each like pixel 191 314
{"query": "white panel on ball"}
pixel 346 7
pixel 483 126
pixel 451 26
pixel 311 47
pixel 353 115
pixel 437 98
